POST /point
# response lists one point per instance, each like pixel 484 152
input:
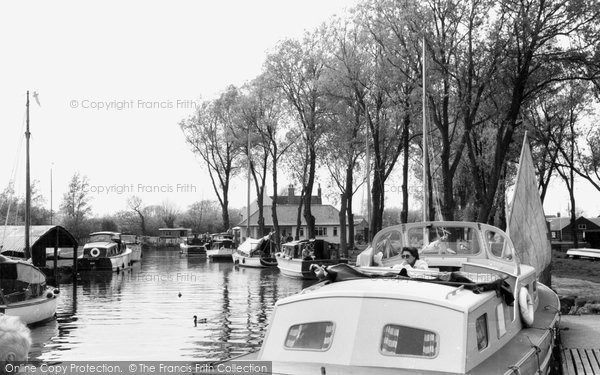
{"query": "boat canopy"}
pixel 254 246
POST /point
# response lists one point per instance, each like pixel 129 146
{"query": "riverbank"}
pixel 577 282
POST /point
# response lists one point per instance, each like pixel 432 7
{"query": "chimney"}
pixel 558 214
pixel 291 190
pixel 319 191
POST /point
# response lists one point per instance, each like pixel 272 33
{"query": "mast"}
pixel 425 145
pixel 248 190
pixel 27 184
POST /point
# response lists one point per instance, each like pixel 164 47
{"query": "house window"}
pixel 402 340
pixel 320 231
pixel 554 235
pixel 581 226
pixel 301 232
pixel 335 231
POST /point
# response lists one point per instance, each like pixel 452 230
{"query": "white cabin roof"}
pixel 462 300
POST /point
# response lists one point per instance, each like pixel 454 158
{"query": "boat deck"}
pixel 580 352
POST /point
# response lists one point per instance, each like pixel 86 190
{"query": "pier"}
pixel 580 344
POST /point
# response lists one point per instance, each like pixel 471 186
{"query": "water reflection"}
pixel 146 313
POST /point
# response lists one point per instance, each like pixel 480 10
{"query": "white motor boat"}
pixel 255 253
pixel 475 311
pixel 296 258
pixel 583 252
pixel 104 252
pixel 132 242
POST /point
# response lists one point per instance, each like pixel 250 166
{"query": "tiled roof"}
pixel 286 215
pixel 558 223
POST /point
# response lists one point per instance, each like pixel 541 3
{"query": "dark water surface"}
pixel 139 315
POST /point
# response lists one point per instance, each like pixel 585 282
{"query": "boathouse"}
pixel 327 221
pixel 44 240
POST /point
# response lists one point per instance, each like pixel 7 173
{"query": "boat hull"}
pixel 136 252
pixel 222 255
pixel 300 269
pixel 35 310
pixel 115 263
pixel 584 253
pixel 253 261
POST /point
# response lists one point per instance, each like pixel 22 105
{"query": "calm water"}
pixel 139 315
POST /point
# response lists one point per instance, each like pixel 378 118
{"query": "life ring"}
pixel 95 252
pixel 526 306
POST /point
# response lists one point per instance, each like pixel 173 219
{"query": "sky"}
pixel 115 78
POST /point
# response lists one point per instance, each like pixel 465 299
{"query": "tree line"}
pixel 348 97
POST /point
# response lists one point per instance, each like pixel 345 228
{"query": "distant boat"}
pixel 24 293
pixel 221 247
pixel 104 251
pixel 131 241
pixel 255 253
pixel 296 258
pixel 583 252
pixel 193 246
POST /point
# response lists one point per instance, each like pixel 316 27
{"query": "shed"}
pixel 12 241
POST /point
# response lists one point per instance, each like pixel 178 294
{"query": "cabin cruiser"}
pixel 476 310
pixel 104 251
pixel 221 247
pixel 255 253
pixel 132 242
pixel 297 257
pixel 193 246
pixel 24 293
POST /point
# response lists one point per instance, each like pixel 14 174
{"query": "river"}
pixel 146 312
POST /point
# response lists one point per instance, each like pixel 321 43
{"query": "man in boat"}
pixel 410 259
pixel 15 341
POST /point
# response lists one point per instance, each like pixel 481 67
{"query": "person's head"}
pixel 410 254
pixel 15 340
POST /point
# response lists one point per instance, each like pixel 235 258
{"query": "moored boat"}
pixel 296 258
pixel 475 311
pixel 193 246
pixel 221 247
pixel 104 251
pixel 584 252
pixel 24 293
pixel 132 242
pixel 255 253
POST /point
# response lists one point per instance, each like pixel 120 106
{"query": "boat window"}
pixel 389 244
pixel 310 336
pixel 499 246
pixel 445 240
pixel 402 340
pixel 501 320
pixel 482 332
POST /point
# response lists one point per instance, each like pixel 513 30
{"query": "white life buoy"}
pixel 526 306
pixel 95 252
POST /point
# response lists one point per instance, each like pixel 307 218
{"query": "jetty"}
pixel 580 347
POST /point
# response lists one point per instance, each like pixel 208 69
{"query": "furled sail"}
pixel 526 224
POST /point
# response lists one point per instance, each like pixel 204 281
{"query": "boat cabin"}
pixel 19 281
pixel 104 245
pixel 309 249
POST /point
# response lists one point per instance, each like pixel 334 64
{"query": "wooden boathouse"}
pixel 45 240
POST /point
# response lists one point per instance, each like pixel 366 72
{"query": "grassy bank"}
pixel 582 269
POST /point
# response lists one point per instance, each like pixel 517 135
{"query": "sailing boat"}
pixel 23 289
pixel 254 253
pixel 476 310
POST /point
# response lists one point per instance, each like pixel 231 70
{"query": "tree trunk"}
pixel 342 216
pixel 308 216
pixel 274 204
